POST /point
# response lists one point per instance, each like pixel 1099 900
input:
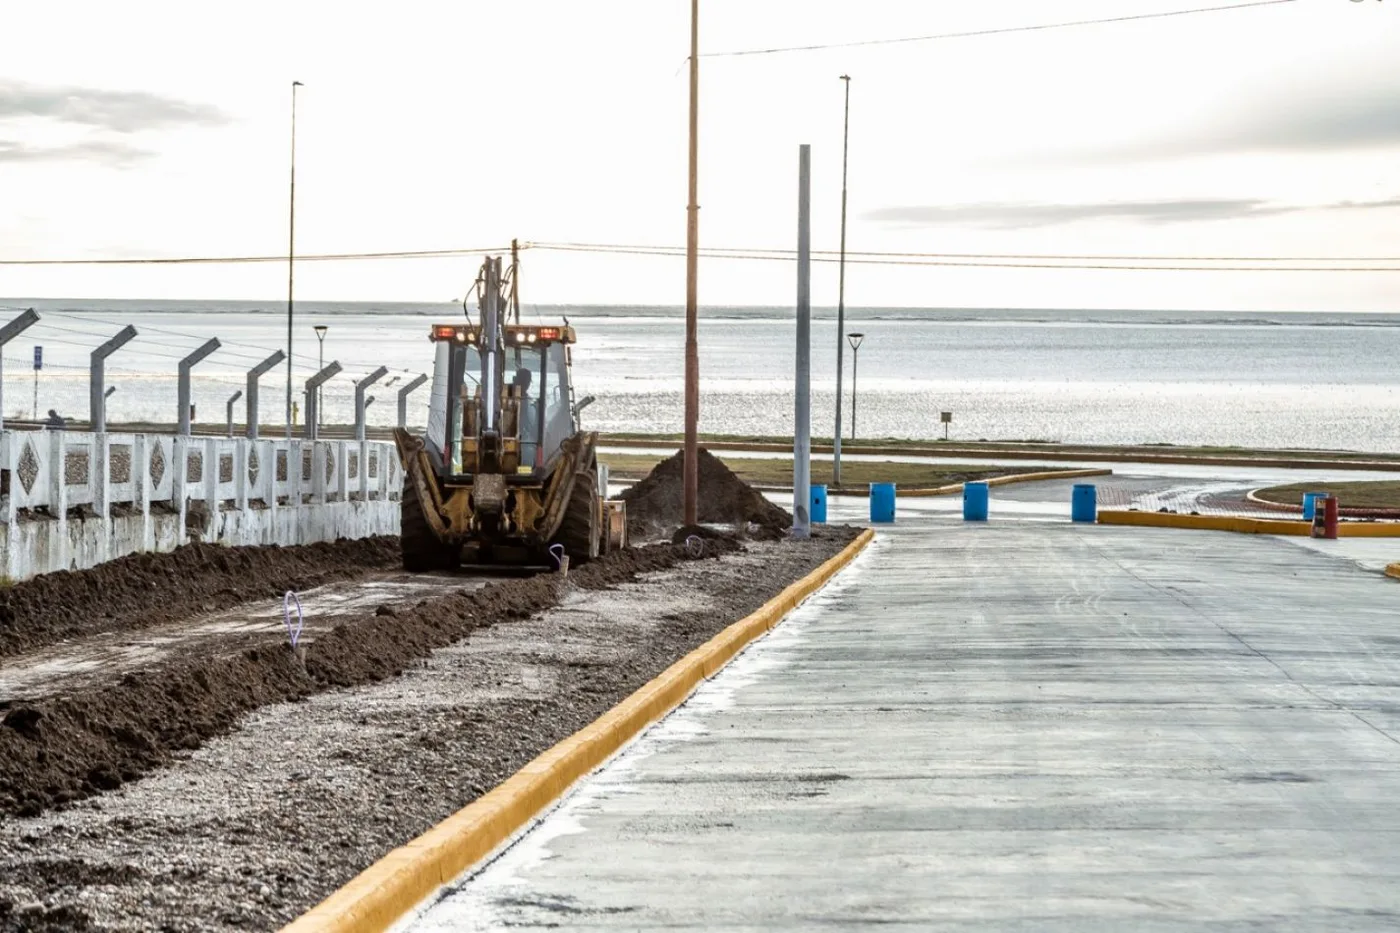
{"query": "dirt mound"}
pixel 654 506
pixel 65 748
pixel 142 590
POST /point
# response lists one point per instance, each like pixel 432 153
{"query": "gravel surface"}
pixel 260 824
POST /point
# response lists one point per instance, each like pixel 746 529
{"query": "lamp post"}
pixel 690 466
pixel 320 330
pixel 291 251
pixel 841 302
pixel 855 341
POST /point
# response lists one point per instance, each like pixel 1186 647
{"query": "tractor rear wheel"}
pixel 578 532
pixel 420 549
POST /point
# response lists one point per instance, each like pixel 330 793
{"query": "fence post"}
pixel 100 476
pixel 141 488
pixel 313 398
pixel 183 389
pixel 210 476
pixel 318 472
pixel 360 388
pixel 58 493
pixel 240 473
pixel 7 333
pixel 179 467
pixel 97 377
pixel 342 471
pixel 403 398
pixel 251 394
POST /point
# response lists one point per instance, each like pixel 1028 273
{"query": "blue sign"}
pixel 38 358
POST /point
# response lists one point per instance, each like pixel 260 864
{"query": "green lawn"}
pixel 1381 494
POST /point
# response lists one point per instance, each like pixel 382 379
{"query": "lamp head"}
pixel 855 340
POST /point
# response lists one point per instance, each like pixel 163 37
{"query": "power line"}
pixel 1103 257
pixel 988 32
pixel 230 260
pixel 776 257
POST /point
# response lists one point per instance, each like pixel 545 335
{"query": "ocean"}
pixel 1324 380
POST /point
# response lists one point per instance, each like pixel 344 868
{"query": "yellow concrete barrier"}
pixel 392 886
pixel 1256 526
pixel 1248 526
pixel 956 488
pixel 1368 530
pixel 1393 570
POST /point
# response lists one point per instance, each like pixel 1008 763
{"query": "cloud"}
pixel 105 151
pixel 115 111
pixel 1014 216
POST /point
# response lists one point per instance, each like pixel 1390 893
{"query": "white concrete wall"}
pixel 327 490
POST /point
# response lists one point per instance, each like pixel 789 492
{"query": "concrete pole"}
pixel 183 391
pixel 313 386
pixel 231 399
pixel 7 333
pixel 97 377
pixel 251 393
pixel 841 293
pixel 403 399
pixel 690 464
pixel 802 424
pixel 360 388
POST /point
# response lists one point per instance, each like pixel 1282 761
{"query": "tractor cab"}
pixel 536 410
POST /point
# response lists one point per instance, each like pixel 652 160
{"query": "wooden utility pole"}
pixel 691 466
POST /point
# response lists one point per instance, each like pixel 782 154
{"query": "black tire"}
pixel 420 549
pixel 578 532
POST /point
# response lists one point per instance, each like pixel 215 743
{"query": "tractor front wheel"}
pixel 579 531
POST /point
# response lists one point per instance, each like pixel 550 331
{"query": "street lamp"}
pixel 855 340
pixel 841 302
pixel 320 330
pixel 291 252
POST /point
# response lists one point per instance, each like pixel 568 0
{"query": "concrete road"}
pixel 1018 726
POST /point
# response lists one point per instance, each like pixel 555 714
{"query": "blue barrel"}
pixel 975 500
pixel 1084 503
pixel 1310 500
pixel 818 503
pixel 882 502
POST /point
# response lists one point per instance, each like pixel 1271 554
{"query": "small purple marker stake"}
pixel 293 632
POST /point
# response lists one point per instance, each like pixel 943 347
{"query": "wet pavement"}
pixel 1018 725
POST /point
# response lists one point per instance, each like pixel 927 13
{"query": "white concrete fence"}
pixel 72 500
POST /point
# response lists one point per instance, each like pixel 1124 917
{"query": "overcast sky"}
pixel 160 128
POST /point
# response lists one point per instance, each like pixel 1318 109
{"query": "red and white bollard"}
pixel 1325 513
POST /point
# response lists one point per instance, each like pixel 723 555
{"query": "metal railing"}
pixel 59 471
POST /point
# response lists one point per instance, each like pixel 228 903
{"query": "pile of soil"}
pixel 64 748
pixel 142 590
pixel 654 505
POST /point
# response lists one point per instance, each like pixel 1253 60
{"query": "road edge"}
pixel 384 892
pixel 1248 526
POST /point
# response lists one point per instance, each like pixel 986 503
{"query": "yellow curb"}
pixel 1249 526
pixel 392 886
pixel 1256 526
pixel 956 488
pixel 1368 529
pixel 1393 570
